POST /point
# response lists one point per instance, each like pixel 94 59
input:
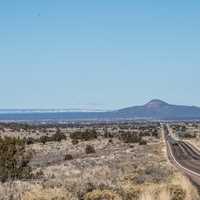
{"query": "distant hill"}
pixel 153 110
pixel 158 109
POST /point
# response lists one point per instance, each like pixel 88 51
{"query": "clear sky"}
pixel 99 54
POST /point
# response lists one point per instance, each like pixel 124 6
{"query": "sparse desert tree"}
pixel 58 136
pixel 14 161
pixel 84 135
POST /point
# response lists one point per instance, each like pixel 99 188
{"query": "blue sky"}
pixel 98 54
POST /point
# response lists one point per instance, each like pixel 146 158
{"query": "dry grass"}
pixel 177 188
pixel 40 193
pixel 102 194
pixel 116 171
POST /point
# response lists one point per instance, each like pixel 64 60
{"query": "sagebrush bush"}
pixel 84 135
pixel 108 134
pixel 89 149
pixel 68 157
pixel 57 137
pixel 44 139
pixel 129 137
pixel 30 140
pixel 143 142
pixel 75 141
pixel 14 161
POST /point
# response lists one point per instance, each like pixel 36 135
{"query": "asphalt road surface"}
pixel 184 156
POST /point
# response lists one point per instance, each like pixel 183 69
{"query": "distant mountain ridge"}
pixel 158 109
pixel 12 111
pixel 154 110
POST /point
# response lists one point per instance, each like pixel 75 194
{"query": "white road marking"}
pixel 182 167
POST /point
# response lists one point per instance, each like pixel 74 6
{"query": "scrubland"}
pixel 108 161
pixel 188 131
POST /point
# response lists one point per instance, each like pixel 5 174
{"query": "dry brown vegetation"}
pixel 187 131
pixel 121 161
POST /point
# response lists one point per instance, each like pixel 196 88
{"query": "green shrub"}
pixel 143 142
pixel 58 136
pixel 107 134
pixel 84 135
pixel 188 135
pixel 30 140
pixel 44 139
pixel 110 141
pixel 68 157
pixel 14 161
pixel 75 141
pixel 129 137
pixel 89 149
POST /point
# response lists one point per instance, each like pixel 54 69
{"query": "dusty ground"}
pixel 117 170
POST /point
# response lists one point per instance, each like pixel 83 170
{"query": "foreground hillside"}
pixel 92 162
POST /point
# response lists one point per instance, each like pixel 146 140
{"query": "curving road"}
pixel 183 155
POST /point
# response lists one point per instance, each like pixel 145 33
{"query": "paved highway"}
pixel 183 155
